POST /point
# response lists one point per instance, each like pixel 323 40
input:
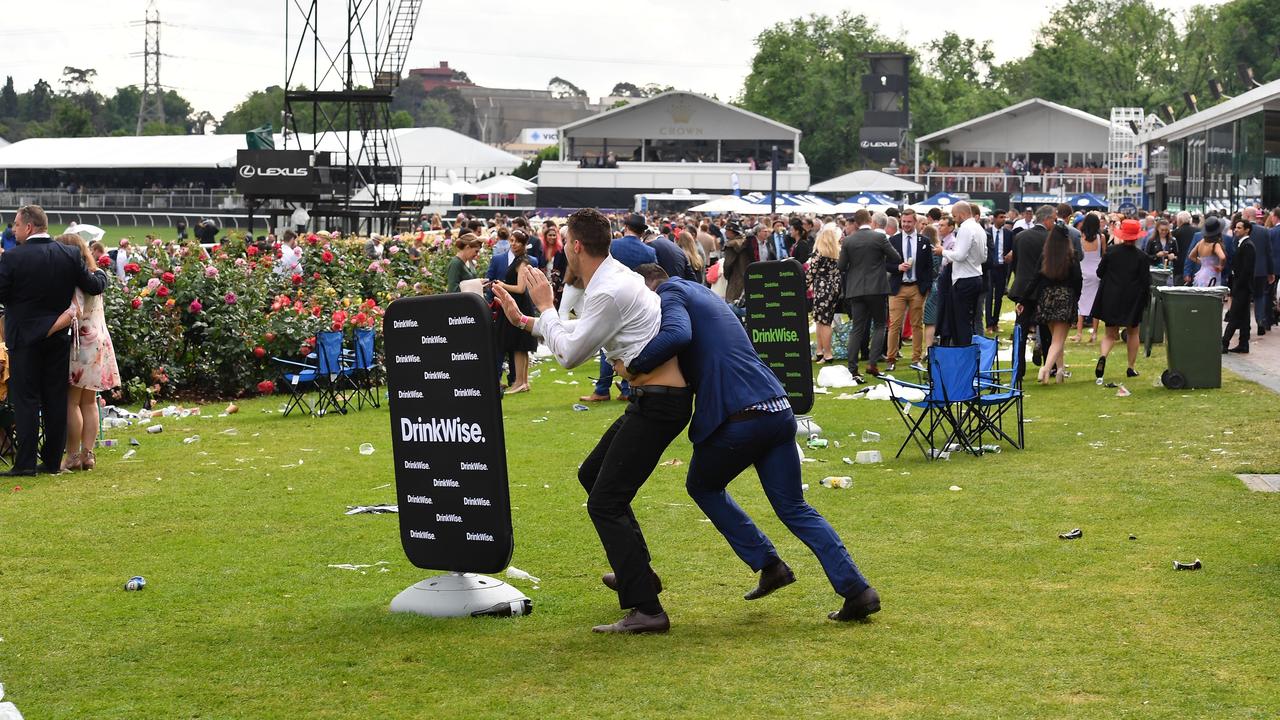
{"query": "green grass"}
pixel 136 233
pixel 986 612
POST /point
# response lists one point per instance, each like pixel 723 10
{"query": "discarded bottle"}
pixel 109 442
pixel 155 429
pixel 937 454
pixel 816 442
pixel 868 456
pixel 1075 534
pixel 191 440
pixel 366 448
pixel 841 482
pixel 516 573
pixel 1187 566
pixel 991 449
pixel 870 436
pixel 129 454
pixel 137 582
pixel 523 606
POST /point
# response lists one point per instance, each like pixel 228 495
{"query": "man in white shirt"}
pixel 1026 221
pixel 965 260
pixel 300 218
pixel 290 262
pixel 122 259
pixel 620 314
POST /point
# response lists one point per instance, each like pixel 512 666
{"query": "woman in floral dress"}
pixel 93 368
pixel 827 285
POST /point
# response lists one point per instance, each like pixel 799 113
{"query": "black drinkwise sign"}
pixel 446 434
pixel 778 323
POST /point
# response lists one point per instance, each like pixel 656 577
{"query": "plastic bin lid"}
pixel 1215 290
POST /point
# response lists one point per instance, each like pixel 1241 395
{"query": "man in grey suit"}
pixel 863 257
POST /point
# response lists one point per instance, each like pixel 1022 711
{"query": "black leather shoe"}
pixel 637 622
pixel 859 607
pixel 1241 349
pixel 15 472
pixel 611 581
pixel 773 577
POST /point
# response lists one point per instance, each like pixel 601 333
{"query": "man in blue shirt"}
pixel 631 251
pixel 10 241
pixel 742 418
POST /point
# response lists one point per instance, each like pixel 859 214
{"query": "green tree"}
pixel 71 120
pixel 38 104
pixel 562 88
pixel 402 119
pixel 434 112
pixel 529 168
pixel 8 99
pixel 959 85
pixel 806 73
pixel 261 107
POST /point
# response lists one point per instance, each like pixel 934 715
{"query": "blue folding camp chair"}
pixel 296 379
pixel 948 401
pixel 366 371
pixel 333 381
pixel 1000 394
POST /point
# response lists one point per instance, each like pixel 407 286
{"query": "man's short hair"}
pixel 908 211
pixel 879 219
pixel 475 226
pixel 861 217
pixel 591 228
pixel 33 214
pixel 935 214
pixel 1044 212
pixel 289 235
pixel 652 273
pixel 1064 210
pixel 999 211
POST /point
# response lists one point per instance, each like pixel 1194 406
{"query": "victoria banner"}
pixel 778 323
pixel 446 433
pixel 276 173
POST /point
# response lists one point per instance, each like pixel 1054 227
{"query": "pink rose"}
pixel 210 271
pixel 230 298
pixel 195 307
pixel 153 283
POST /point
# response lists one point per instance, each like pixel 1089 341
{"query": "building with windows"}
pixel 1222 158
pixel 673 141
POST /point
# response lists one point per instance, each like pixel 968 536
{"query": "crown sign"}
pixel 680 111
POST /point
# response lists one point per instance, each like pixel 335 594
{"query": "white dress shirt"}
pixel 619 313
pixel 969 252
pixel 908 251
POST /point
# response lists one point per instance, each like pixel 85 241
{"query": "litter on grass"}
pixel 350 566
pixel 516 573
pixel 371 509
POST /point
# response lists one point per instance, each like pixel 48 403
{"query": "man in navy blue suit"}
pixel 742 418
pixel 999 254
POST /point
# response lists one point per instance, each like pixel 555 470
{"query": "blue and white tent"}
pixel 869 201
pixel 1087 201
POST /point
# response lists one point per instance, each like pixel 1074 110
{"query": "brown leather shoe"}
pixel 773 577
pixel 593 398
pixel 637 622
pixel 858 607
pixel 873 370
pixel 611 581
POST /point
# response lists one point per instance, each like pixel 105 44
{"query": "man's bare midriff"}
pixel 667 374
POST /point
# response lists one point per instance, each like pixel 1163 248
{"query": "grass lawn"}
pixel 986 612
pixel 134 232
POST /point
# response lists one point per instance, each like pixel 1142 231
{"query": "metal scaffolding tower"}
pixel 151 104
pixel 337 103
pixel 1124 161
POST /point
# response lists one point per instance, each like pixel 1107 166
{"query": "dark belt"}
pixel 747 414
pixel 904 282
pixel 642 390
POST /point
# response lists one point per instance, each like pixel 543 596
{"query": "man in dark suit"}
pixel 1028 248
pixel 1263 269
pixel 864 255
pixel 38 279
pixel 743 419
pixel 1240 280
pixel 999 254
pixel 909 284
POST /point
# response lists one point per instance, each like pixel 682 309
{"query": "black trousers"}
pixel 1027 321
pixel 38 377
pixel 964 292
pixel 612 474
pixel 867 314
pixel 1238 318
pixel 999 274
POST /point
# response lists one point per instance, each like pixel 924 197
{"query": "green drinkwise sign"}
pixel 778 323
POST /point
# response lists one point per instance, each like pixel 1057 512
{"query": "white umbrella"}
pixel 504 185
pixel 730 204
pixel 867 181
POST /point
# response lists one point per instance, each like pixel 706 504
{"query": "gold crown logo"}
pixel 681 112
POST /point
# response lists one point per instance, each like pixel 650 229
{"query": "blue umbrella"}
pixel 942 199
pixel 1087 201
pixel 782 200
pixel 869 198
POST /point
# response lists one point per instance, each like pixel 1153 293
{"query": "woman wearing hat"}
pixel 1123 292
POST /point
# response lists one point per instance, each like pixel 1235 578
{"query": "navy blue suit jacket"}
pixel 716 356
pixel 923 263
pixel 38 279
pixel 499 264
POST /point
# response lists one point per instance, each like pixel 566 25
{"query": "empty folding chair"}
pixel 947 404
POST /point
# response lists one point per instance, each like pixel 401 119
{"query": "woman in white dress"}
pixel 1094 246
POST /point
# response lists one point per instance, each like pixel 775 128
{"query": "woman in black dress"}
pixel 1057 291
pixel 515 341
pixel 1123 292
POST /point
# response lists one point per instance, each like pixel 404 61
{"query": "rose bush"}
pixel 206 324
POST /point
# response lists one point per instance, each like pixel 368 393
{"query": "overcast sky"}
pixel 220 51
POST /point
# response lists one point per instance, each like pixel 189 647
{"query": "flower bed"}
pixel 203 324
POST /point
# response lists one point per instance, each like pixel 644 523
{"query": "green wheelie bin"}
pixel 1193 324
pixel 1152 330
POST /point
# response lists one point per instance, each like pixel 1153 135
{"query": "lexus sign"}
pixel 275 173
pixel 881 144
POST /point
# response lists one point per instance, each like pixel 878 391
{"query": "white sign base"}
pixel 462 595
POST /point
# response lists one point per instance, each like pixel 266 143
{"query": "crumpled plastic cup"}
pixel 366 448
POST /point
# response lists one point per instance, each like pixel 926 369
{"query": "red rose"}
pixel 162 291
pixel 132 268
pixel 269 337
pixel 312 239
pixel 326 256
pixel 266 387
pixel 315 275
pixel 337 326
pixel 215 248
pixel 304 350
pixel 167 278
pixel 259 352
pixel 104 261
pixel 316 311
pixel 251 250
pixel 137 303
pixel 275 306
pixel 297 279
pixel 361 319
pixel 195 307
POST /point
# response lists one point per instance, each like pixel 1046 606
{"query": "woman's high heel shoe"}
pixel 73 462
pixel 88 460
